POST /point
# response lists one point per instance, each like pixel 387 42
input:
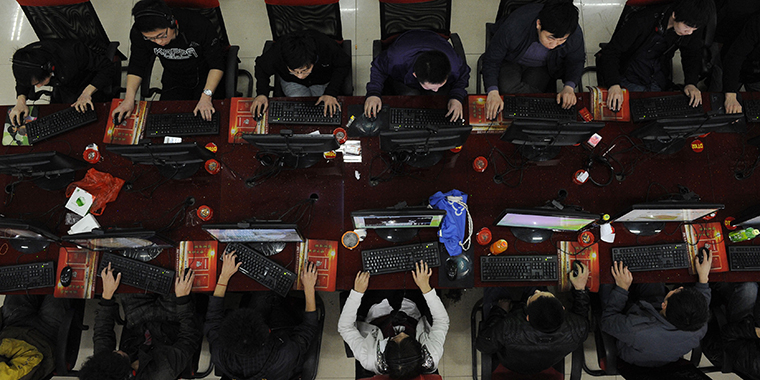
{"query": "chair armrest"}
pixel 577 361
pixel 231 72
pixel 610 353
pixel 377 47
pixel 111 50
pixel 479 75
pixel 348 83
pixel 458 47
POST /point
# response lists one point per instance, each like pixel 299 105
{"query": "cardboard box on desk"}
pixel 570 251
pixel 709 235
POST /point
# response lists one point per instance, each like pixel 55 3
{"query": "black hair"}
pixel 432 67
pixel 152 15
pixel 545 314
pixel 404 358
pixel 108 365
pixel 298 50
pixel 243 331
pixel 687 310
pixel 694 13
pixel 31 64
pixel 560 18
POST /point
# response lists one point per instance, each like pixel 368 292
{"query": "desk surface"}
pixel 709 173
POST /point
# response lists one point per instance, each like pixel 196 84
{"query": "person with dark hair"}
pixel 532 48
pixel 309 63
pixel 639 55
pixel 265 340
pixel 741 63
pixel 162 333
pixel 419 62
pixel 654 326
pixel 395 336
pixel 77 74
pixel 530 339
pixel 189 48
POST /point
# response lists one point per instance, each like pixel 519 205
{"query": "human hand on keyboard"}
pixel 110 282
pixel 693 92
pixel 455 110
pixel 229 267
pixel 204 108
pixel 421 275
pixel 183 284
pixel 85 99
pixel 361 282
pixel 566 98
pixel 331 104
pixel 731 104
pixel 621 274
pixel 309 276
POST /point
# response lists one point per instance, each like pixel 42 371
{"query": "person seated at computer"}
pixel 394 336
pixel 28 335
pixel 654 326
pixel 532 48
pixel 266 340
pixel 741 63
pixel 639 55
pixel 419 62
pixel 188 46
pixel 534 332
pixel 162 333
pixel 77 74
pixel 309 63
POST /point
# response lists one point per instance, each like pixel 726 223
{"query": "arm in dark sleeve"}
pixel 581 301
pixel 494 56
pixel 610 64
pixel 98 63
pixel 614 322
pixel 212 47
pixel 304 333
pixel 741 47
pixel 378 74
pixel 188 337
pixel 575 59
pixel 22 89
pixel 214 317
pixel 744 329
pixel 341 68
pixel 141 57
pixel 691 58
pixel 265 68
pixel 488 341
pixel 461 80
pixel 104 338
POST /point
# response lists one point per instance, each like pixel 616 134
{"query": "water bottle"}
pixel 743 235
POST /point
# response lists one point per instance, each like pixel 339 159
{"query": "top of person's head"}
pixel 152 15
pixel 108 365
pixel 404 358
pixel 694 13
pixel 545 314
pixel 687 309
pixel 559 17
pixel 432 66
pixel 298 50
pixel 243 331
pixel 31 64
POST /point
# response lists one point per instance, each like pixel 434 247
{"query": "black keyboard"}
pixel 663 107
pixel 27 276
pixel 287 112
pixel 526 108
pixel 59 122
pixel 519 268
pixel 420 118
pixel 400 258
pixel 744 257
pixel 139 274
pixel 265 271
pixel 751 108
pixel 653 257
pixel 181 124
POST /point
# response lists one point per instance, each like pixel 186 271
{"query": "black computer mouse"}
pixel 451 268
pixel 704 251
pixel 66 275
pixel 258 116
pixel 116 120
pixel 576 268
pixel 187 270
pixel 366 126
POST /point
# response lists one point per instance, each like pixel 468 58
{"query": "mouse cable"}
pixel 182 211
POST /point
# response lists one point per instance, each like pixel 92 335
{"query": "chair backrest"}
pixel 287 16
pixel 208 8
pixel 398 16
pixel 508 6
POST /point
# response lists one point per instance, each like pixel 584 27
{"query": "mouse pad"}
pixel 465 274
pixel 362 126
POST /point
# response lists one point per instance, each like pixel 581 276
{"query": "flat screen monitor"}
pixel 423 147
pixel 649 218
pixel 749 217
pixel 668 136
pixel 541 140
pixel 536 225
pixel 398 225
pixel 294 150
pixel 254 232
pixel 175 161
pixel 48 170
pixel 25 237
pixel 119 240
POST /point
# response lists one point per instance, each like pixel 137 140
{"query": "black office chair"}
pixel 69 339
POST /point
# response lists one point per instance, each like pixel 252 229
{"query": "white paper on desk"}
pixel 352 151
pixel 86 224
pixel 607 232
pixel 80 202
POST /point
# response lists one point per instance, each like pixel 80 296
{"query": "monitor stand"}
pixel 301 161
pixel 179 172
pixel 397 235
pixel 267 249
pixel 538 153
pixel 644 228
pixel 531 235
pixel 665 147
pixel 424 160
pixel 56 182
pixel 28 245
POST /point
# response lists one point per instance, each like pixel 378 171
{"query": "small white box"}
pixel 80 202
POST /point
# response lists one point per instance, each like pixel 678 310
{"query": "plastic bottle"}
pixel 748 233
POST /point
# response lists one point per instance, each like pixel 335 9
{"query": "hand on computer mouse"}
pixel 372 106
pixel 259 106
pixel 694 94
pixel 615 98
pixel 18 113
pixel 579 275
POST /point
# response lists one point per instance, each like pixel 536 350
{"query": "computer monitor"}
pixel 26 237
pixel 48 170
pixel 542 140
pixel 174 161
pixel 537 224
pixel 135 243
pixel 296 151
pixel 668 136
pixel 397 225
pixel 749 217
pixel 648 219
pixel 268 238
pixel 423 147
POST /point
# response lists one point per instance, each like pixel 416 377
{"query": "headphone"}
pixel 157 13
pixel 31 65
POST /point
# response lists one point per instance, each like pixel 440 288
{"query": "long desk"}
pixel 709 173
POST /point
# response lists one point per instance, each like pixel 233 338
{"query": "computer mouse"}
pixel 371 118
pixel 704 251
pixel 576 268
pixel 187 270
pixel 116 120
pixel 451 268
pixel 258 116
pixel 66 275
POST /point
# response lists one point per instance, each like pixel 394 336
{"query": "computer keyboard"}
pixel 653 257
pixel 265 271
pixel 139 274
pixel 288 112
pixel 751 108
pixel 421 118
pixel 519 268
pixel 662 107
pixel 26 276
pixel 400 258
pixel 181 124
pixel 744 257
pixel 59 122
pixel 527 108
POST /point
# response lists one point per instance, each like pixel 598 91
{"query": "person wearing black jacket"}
pixel 77 74
pixel 638 57
pixel 309 63
pixel 188 46
pixel 741 64
pixel 531 339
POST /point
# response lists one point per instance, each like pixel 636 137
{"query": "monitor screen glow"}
pixel 544 222
pixel 230 235
pixel 397 221
pixel 673 214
